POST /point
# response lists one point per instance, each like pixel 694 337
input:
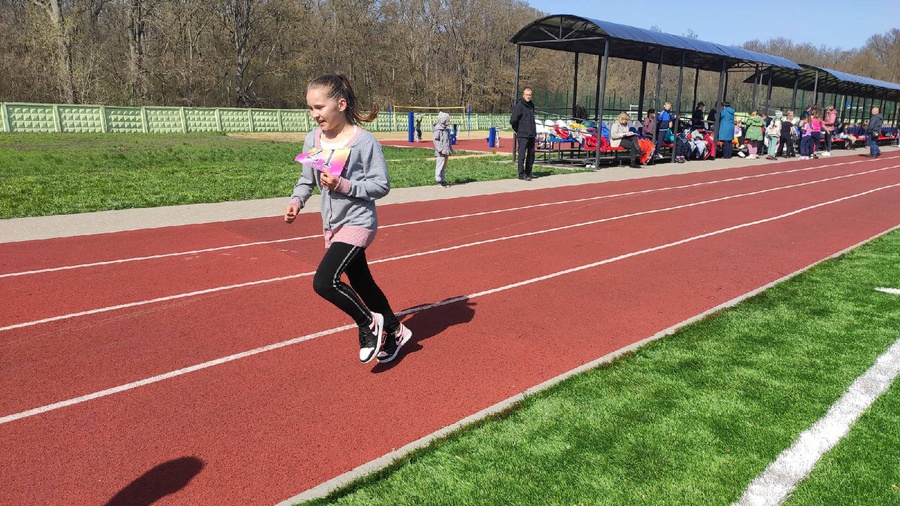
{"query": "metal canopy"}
pixel 575 34
pixel 832 81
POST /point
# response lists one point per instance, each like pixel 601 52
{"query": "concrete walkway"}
pixel 48 227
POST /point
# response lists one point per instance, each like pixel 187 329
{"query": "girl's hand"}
pixel 290 213
pixel 328 180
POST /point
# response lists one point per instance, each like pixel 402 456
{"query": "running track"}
pixel 533 284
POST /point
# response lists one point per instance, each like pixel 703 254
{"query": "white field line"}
pixel 781 477
pixel 429 252
pixel 256 351
pixel 420 222
pixel 892 291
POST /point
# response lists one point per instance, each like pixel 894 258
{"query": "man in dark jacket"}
pixel 697 120
pixel 522 121
pixel 875 123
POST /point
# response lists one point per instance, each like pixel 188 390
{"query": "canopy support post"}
pixel 720 103
pixel 602 99
pixel 678 109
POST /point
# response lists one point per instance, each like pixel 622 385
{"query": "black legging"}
pixel 786 143
pixel 827 140
pixel 342 257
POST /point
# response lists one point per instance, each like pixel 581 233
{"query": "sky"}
pixel 847 25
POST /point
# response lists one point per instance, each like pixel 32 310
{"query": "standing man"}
pixel 522 122
pixel 875 123
pixel 697 118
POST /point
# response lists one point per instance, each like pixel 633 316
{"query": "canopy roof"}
pixel 830 81
pixel 575 34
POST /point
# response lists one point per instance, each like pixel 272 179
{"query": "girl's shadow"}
pixel 429 322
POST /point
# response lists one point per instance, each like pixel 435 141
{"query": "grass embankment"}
pixel 46 174
pixel 692 418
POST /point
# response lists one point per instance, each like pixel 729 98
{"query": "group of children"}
pixel 780 134
pixel 785 135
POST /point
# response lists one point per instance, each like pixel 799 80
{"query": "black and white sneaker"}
pixel 370 339
pixel 393 342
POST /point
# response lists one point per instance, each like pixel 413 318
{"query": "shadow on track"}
pixel 164 479
pixel 430 322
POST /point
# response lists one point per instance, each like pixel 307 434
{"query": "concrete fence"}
pixel 65 118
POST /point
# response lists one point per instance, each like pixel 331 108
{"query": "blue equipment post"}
pixel 412 127
pixel 492 137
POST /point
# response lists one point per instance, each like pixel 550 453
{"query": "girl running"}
pixel 348 166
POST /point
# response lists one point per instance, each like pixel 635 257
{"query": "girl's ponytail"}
pixel 338 87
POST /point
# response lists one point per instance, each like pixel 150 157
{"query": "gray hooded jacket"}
pixel 442 135
pixel 367 179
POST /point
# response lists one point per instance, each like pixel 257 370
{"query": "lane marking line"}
pixel 256 351
pixel 418 222
pixel 425 253
pixel 773 486
pixel 892 291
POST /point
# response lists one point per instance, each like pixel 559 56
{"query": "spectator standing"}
pixel 664 121
pixel 649 124
pixel 815 125
pixel 522 122
pixel 754 135
pixel 697 121
pixel 442 148
pixel 773 132
pixel 786 141
pixel 726 129
pixel 873 132
pixel 805 138
pixel 711 118
pixel 828 125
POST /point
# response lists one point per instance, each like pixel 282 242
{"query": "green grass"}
pixel 47 174
pixel 690 419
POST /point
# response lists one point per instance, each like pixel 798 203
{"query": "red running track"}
pixel 200 420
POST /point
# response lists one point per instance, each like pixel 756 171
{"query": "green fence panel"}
pixel 31 118
pixel 164 120
pixel 235 120
pixel 265 120
pixel 80 119
pixel 295 121
pixel 124 120
pixel 201 120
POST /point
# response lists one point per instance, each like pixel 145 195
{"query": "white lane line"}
pixel 420 222
pixel 430 252
pixel 237 356
pixel 781 477
pixel 892 291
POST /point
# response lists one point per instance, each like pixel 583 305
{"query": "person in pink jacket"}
pixel 828 125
